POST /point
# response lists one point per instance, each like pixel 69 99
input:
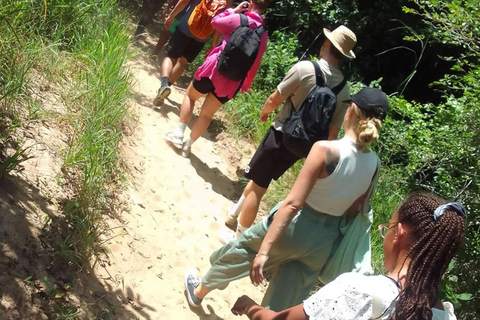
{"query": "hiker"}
pixel 167 33
pixel 420 240
pixel 188 39
pixel 221 81
pixel 332 192
pixel 149 9
pixel 272 158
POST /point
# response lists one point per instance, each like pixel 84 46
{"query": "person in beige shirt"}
pixel 272 158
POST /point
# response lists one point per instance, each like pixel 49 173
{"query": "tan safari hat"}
pixel 343 39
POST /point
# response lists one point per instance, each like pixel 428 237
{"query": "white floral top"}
pixel 360 297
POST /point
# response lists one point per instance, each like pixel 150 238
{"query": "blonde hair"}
pixel 367 129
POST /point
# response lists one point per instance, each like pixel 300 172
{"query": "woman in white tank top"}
pixel 298 238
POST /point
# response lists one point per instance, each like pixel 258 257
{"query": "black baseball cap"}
pixel 372 101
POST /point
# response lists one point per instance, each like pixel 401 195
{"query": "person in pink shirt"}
pixel 209 81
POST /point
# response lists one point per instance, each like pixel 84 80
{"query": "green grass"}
pixel 80 46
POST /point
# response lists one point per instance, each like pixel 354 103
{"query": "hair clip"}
pixel 454 206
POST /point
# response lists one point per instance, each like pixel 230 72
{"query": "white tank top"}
pixel 334 194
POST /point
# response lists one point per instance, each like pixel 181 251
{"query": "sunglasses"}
pixel 384 227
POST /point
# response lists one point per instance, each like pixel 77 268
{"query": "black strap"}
pixel 320 82
pixel 336 90
pixel 244 23
pixel 394 281
pixel 243 20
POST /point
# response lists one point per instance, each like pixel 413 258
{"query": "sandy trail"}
pixel 175 208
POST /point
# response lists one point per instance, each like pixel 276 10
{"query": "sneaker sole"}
pixel 190 302
pixel 157 102
pixel 161 96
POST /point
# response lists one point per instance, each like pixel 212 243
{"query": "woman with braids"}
pixel 298 236
pixel 419 242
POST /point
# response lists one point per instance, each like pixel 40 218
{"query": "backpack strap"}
pixel 318 74
pixel 243 20
pixel 320 82
pixel 336 90
pixel 244 23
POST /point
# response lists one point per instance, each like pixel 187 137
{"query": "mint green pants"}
pixel 299 254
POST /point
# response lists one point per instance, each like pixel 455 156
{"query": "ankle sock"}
pixel 189 143
pixel 164 81
pixel 240 230
pixel 181 127
pixel 236 208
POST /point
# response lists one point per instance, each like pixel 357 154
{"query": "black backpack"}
pixel 240 52
pixel 310 122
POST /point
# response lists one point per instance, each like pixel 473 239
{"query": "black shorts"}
pixel 271 159
pixel 205 85
pixel 181 45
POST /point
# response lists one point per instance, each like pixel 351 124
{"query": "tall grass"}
pixel 89 40
pixel 99 112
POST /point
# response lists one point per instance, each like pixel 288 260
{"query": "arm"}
pixel 253 311
pixel 181 4
pixel 226 21
pixel 215 37
pixel 272 103
pixel 314 166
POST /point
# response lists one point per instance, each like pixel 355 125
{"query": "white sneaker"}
pixel 175 137
pixel 231 220
pixel 226 236
pixel 186 150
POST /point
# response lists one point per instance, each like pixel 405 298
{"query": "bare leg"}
pixel 178 69
pixel 188 103
pixel 209 108
pixel 162 40
pixel 200 291
pixel 253 195
pixel 167 66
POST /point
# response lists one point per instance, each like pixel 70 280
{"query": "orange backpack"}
pixel 200 20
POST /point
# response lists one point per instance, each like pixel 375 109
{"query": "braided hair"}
pixel 434 243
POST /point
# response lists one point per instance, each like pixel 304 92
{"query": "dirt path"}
pixel 176 207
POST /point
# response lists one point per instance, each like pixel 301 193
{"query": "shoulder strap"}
pixel 244 23
pixel 260 30
pixel 336 90
pixel 318 74
pixel 320 82
pixel 243 20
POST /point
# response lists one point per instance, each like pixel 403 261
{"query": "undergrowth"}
pixel 86 42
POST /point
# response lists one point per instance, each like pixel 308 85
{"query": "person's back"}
pixel 350 179
pixel 361 297
pixel 303 75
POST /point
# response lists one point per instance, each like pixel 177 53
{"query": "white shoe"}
pixel 175 137
pixel 231 219
pixel 226 236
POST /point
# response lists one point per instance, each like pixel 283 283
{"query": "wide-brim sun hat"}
pixel 343 39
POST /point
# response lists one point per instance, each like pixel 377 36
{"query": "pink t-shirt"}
pixel 226 22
